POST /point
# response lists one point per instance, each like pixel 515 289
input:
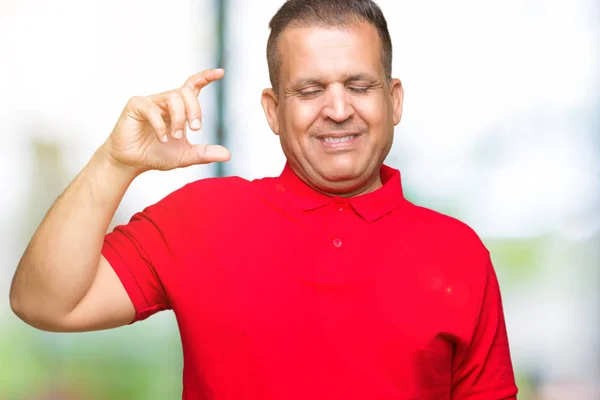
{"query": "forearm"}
pixel 61 261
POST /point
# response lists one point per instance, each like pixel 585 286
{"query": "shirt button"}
pixel 337 243
pixel 340 208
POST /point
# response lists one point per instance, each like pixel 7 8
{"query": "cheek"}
pixel 300 116
pixel 375 112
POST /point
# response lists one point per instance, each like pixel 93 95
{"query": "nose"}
pixel 338 106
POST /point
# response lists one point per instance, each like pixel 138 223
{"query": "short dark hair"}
pixel 326 13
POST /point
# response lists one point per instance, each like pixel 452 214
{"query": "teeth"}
pixel 338 139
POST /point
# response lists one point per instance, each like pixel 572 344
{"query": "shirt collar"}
pixel 370 206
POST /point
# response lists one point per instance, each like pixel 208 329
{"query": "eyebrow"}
pixel 361 77
pixel 302 82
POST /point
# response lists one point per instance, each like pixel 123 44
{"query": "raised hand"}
pixel 151 131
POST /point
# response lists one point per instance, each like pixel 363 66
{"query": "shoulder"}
pixel 448 238
pixel 215 188
pixel 232 195
pixel 201 196
pixel 444 226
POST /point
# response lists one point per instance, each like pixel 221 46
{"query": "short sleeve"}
pixel 143 251
pixel 483 369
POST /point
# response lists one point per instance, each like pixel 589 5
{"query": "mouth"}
pixel 338 139
pixel 339 142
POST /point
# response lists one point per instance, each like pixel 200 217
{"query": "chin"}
pixel 342 180
pixel 342 168
pixel 334 173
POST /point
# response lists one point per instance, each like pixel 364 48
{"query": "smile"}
pixel 330 139
pixel 338 143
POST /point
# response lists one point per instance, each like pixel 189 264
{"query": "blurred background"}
pixel 501 129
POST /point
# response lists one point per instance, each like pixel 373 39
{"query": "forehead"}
pixel 329 52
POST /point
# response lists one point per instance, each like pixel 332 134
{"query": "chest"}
pixel 319 295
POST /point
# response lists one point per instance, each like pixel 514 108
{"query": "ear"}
pixel 397 92
pixel 270 101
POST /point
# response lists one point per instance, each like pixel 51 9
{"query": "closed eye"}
pixel 314 92
pixel 359 90
pixel 309 93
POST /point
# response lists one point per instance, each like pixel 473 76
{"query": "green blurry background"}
pixel 500 129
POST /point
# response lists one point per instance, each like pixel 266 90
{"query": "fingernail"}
pixel 164 139
pixel 178 134
pixel 196 124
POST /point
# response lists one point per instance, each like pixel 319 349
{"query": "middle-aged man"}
pixel 321 283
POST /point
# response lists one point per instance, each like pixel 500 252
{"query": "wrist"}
pixel 112 168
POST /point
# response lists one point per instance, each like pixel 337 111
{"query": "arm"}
pixel 483 370
pixel 62 282
pixel 63 259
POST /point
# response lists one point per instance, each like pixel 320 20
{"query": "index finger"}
pixel 201 79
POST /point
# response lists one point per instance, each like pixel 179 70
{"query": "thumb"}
pixel 204 154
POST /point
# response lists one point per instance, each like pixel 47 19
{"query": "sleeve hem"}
pixel 129 283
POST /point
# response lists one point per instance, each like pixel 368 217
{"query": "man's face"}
pixel 335 112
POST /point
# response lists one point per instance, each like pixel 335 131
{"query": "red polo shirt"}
pixel 283 293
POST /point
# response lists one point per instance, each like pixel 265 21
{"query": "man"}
pixel 322 283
